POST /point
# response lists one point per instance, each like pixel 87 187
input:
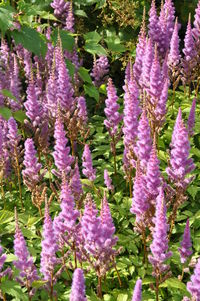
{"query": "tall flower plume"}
pixel 196 29
pixel 194 285
pixel 78 286
pixel 174 53
pixel 186 244
pixel 100 70
pixel 137 293
pixel 88 169
pixel 191 118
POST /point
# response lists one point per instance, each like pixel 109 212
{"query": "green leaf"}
pixel 8 93
pixel 38 283
pixel 94 48
pixel 66 38
pixel 114 44
pixel 10 257
pixel 84 74
pixel 70 67
pixel 92 37
pixel 13 288
pixel 80 12
pixel 19 116
pixel 122 297
pixel 91 91
pixel 5 112
pixel 31 40
pixel 174 283
pixel 6 17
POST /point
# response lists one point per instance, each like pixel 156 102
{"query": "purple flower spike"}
pixel 100 70
pixel 189 45
pixel 61 154
pixel 88 169
pixel 49 248
pixel 170 17
pixel 194 285
pixel 70 19
pixel 66 220
pixel 60 7
pixel 196 29
pixel 159 245
pixel 180 163
pixel 137 293
pixel 13 135
pixel 24 262
pixel 191 118
pixel 2 259
pixel 15 86
pixel 154 30
pixel 147 63
pixel 82 109
pixel 174 53
pixel 108 180
pixel 144 142
pixel 186 244
pixel 111 110
pixel 78 286
pixel 162 24
pixel 156 83
pixel 75 183
pixel 32 167
pixel 139 201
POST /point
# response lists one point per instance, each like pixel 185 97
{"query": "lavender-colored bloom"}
pixel 88 169
pixel 161 106
pixel 137 293
pixel 154 29
pixel 2 258
pixel 111 110
pixel 5 52
pixel 186 244
pixel 153 175
pixel 61 154
pixel 189 45
pixel 194 285
pixel 78 286
pixel 159 245
pixel 191 118
pixel 108 180
pixel 156 83
pixel 144 142
pixel 131 114
pixel 32 167
pixel 174 53
pixel 51 94
pixel 99 70
pixel 162 25
pixel 15 86
pixel 65 90
pixel 139 201
pixel 49 247
pixel 170 17
pixel 82 109
pixel 26 56
pixel 13 135
pixel 196 29
pixel 60 7
pixel 70 19
pixel 75 183
pixel 24 262
pixel 180 164
pixel 147 63
pixel 33 108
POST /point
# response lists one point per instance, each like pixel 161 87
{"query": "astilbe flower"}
pixel 61 154
pixel 174 53
pixel 24 262
pixel 108 180
pixel 82 109
pixel 191 118
pixel 78 286
pixel 144 141
pixel 70 19
pixel 170 17
pixel 180 164
pixel 65 89
pixel 75 183
pixel 139 201
pixel 5 157
pixel 140 50
pixel 31 173
pixel 100 70
pixel 2 261
pixel 60 7
pixel 162 25
pixel 111 110
pixel 196 29
pixel 137 293
pixel 193 286
pixel 147 63
pixel 161 106
pixel 159 245
pixel 88 169
pixel 186 244
pixel 15 86
pixel 33 108
pixel 189 45
pixel 130 117
pixel 51 93
pixel 64 223
pixel 27 62
pixel 13 136
pixel 153 174
pixel 49 248
pixel 154 30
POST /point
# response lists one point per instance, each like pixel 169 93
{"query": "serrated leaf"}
pixel 91 91
pixel 94 48
pixel 114 44
pixel 84 74
pixel 174 283
pixel 30 39
pixel 13 288
pixel 5 112
pixel 66 38
pixel 38 283
pixel 6 17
